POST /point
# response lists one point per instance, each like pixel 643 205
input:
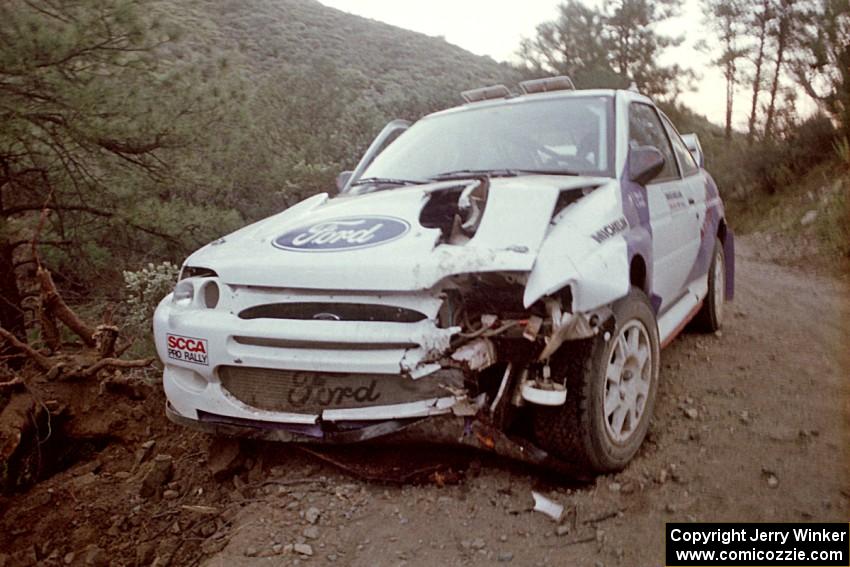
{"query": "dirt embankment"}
pixel 752 424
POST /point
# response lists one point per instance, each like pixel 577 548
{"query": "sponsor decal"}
pixel 343 234
pixel 308 391
pixel 637 200
pixel 188 349
pixel 675 200
pixel 610 230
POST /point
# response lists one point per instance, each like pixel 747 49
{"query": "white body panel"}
pixel 518 210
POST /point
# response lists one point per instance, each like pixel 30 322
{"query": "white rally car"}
pixel 502 274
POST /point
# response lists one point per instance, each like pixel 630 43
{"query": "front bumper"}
pixel 446 429
pixel 303 372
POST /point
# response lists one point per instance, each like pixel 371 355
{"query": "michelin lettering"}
pixel 610 230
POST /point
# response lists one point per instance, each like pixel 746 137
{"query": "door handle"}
pixel 691 201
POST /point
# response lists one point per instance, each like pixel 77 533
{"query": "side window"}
pixel 686 160
pixel 645 129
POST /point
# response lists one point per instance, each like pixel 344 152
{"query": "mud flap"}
pixel 729 256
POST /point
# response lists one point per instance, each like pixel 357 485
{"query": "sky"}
pixel 485 27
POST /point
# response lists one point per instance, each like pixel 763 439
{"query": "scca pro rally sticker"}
pixel 343 234
pixel 188 349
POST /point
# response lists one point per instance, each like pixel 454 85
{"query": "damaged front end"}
pixel 505 350
pixel 460 363
pixel 440 348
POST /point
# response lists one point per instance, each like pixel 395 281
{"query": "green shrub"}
pixel 774 164
pixel 144 290
pixel 833 229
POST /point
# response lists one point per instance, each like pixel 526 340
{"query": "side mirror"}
pixel 645 163
pixel 342 179
pixel 693 145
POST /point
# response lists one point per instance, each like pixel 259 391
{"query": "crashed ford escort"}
pixel 502 274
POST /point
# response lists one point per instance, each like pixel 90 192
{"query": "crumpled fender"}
pixel 585 249
pixel 599 279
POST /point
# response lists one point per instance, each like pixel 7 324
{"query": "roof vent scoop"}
pixel 485 93
pixel 559 83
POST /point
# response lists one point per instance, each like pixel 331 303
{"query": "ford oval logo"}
pixel 343 234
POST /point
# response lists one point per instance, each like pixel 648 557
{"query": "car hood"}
pixel 376 242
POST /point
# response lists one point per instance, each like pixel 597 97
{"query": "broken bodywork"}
pixel 456 331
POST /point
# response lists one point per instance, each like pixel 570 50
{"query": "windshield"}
pixel 565 134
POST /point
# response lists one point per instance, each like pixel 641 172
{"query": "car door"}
pixel 694 189
pixel 675 236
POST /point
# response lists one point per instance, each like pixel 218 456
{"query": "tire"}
pixel 710 316
pixel 580 431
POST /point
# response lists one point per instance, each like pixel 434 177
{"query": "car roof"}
pixel 524 98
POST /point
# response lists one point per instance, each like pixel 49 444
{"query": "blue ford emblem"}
pixel 343 234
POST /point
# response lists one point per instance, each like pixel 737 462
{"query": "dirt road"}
pixel 751 425
pixel 768 441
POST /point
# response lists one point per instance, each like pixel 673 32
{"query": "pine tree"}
pixel 821 58
pixel 783 35
pixel 635 44
pixel 612 47
pixel 757 24
pixel 573 45
pixel 724 18
pixel 89 108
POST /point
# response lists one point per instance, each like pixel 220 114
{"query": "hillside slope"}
pixel 266 35
pixel 803 224
pixel 306 89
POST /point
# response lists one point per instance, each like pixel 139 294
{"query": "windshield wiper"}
pixel 547 172
pixel 467 173
pixel 386 181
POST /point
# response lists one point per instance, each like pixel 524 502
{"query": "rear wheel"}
pixel 611 387
pixel 710 316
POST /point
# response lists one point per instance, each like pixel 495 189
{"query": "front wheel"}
pixel 612 381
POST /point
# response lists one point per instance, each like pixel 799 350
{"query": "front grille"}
pixel 311 392
pixel 325 345
pixel 333 312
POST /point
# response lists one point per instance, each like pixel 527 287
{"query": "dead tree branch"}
pixel 14 383
pixel 42 361
pixel 105 363
pixel 54 303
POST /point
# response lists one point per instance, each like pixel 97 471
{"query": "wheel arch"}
pixel 638 273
